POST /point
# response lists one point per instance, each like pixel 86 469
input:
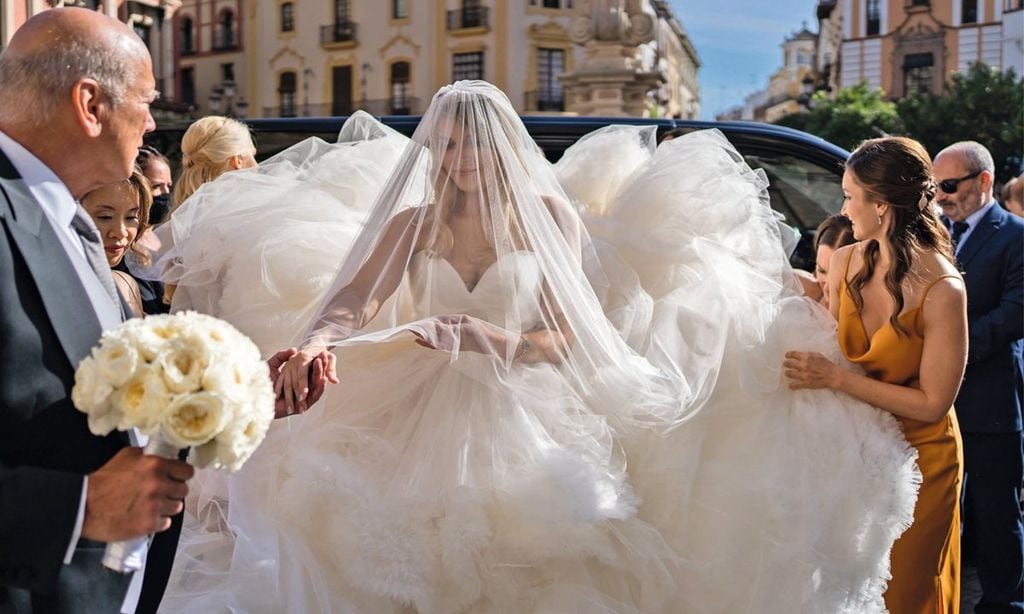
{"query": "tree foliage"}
pixel 984 105
pixel 856 113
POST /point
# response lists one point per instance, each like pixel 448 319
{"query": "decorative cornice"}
pixel 286 50
pixel 394 40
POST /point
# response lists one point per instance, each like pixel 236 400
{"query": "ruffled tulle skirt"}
pixel 429 485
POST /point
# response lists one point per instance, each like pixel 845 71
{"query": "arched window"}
pixel 286 93
pixel 287 17
pixel 224 37
pixel 400 88
pixel 188 36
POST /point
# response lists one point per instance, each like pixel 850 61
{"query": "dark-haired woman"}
pixel 901 308
pixel 834 232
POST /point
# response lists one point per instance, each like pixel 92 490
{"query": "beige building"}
pixel 272 58
pixel 903 46
pixel 830 44
pixel 785 86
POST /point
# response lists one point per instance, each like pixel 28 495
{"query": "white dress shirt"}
pixel 972 221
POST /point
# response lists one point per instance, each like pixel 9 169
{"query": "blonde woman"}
pixel 212 146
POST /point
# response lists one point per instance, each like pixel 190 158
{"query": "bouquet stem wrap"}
pixel 128 556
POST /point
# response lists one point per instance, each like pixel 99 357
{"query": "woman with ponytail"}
pixel 212 146
pixel 901 310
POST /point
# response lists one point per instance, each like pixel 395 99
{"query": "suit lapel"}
pixel 987 226
pixel 64 297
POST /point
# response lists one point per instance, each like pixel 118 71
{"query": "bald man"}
pixel 75 88
pixel 989 244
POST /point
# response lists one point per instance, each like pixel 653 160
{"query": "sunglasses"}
pixel 949 186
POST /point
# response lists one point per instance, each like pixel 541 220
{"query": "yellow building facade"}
pixel 330 57
pixel 903 46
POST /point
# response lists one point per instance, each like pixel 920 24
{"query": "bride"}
pixel 550 404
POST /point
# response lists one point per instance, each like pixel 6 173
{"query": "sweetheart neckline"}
pixel 480 280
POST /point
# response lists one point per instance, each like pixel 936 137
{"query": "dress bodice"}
pixel 886 355
pixel 507 292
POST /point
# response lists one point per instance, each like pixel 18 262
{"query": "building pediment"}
pixel 920 24
pixel 287 55
pixel 399 45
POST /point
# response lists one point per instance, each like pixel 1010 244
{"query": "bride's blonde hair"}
pixel 207 149
pixel 441 239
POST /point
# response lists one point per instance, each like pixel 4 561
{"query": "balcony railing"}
pixel 340 32
pixel 469 17
pixel 377 107
pixel 544 101
pixel 224 40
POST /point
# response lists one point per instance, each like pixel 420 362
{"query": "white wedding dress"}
pixel 442 485
pixel 432 482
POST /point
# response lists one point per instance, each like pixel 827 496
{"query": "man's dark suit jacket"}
pixel 47 325
pixel 992 258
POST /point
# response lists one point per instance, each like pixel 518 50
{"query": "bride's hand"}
pixel 469 333
pixel 811 370
pixel 302 379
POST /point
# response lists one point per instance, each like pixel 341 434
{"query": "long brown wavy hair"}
pixel 898 171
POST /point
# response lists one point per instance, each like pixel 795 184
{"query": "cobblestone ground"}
pixel 970 590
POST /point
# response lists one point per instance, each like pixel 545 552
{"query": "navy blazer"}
pixel 47 325
pixel 992 259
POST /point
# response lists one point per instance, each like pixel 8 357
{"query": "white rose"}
pixel 237 442
pixel 155 332
pixel 142 401
pixel 183 361
pixel 92 395
pixel 226 377
pixel 91 391
pixel 194 419
pixel 116 359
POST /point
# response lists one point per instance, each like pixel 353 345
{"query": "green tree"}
pixel 856 113
pixel 984 105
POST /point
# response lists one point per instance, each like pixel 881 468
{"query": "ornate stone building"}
pixel 272 58
pixel 785 91
pixel 903 46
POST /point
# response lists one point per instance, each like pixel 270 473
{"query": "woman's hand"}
pixel 467 333
pixel 300 378
pixel 811 370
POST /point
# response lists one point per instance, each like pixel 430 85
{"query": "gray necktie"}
pixel 83 225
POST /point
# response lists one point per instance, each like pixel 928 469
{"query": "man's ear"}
pixel 88 106
pixel 235 163
pixel 985 180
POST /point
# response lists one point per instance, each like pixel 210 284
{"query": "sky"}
pixel 739 43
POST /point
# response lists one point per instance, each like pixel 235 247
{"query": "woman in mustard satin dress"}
pixel 901 310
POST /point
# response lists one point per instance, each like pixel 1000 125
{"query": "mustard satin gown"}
pixel 926 558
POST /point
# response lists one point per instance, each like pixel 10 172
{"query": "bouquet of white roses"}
pixel 184 380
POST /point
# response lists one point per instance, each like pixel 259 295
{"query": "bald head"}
pixel 61 26
pixel 967 169
pixel 55 49
pixel 75 88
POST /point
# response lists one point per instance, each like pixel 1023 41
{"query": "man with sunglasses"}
pixel 989 246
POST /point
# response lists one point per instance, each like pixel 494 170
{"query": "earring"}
pixel 879 218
